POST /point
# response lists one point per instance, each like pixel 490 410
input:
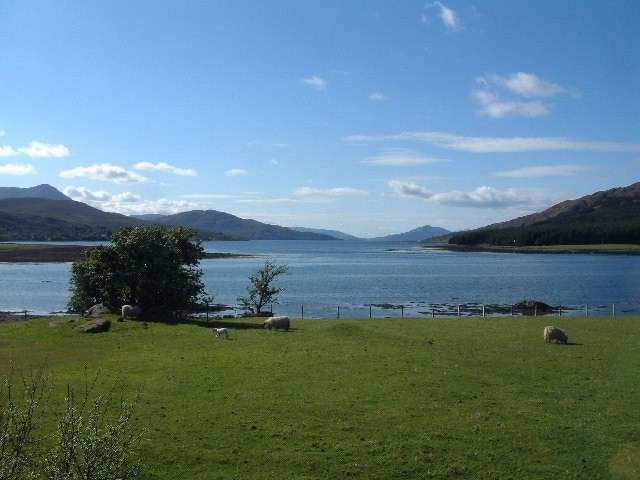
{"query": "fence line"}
pixel 432 310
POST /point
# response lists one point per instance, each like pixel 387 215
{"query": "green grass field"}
pixel 370 399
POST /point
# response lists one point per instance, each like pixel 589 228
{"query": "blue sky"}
pixel 370 117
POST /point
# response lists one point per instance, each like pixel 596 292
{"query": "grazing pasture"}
pixel 371 399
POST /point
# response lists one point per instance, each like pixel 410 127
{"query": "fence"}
pixel 433 310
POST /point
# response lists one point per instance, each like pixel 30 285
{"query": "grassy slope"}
pixel 456 398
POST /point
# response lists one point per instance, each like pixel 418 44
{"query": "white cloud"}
pixel 449 18
pixel 104 171
pixel 39 149
pixel 328 192
pixel 2 133
pixel 495 107
pixel 378 97
pixel 165 167
pixel 481 197
pixel 543 171
pixel 17 169
pixel 500 144
pixel 524 84
pixel 7 151
pixel 127 203
pixel 315 82
pixel 235 172
pixel 515 87
pixel 401 157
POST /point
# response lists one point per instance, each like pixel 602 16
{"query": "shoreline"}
pixel 46 253
pixel 551 250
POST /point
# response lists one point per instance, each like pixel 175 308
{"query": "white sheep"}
pixel 221 331
pixel 132 311
pixel 555 333
pixel 282 323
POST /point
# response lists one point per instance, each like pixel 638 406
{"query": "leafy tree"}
pixel 262 290
pixel 150 266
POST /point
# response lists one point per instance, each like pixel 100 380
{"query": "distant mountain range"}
pixel 44 213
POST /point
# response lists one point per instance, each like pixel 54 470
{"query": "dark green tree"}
pixel 150 266
pixel 262 290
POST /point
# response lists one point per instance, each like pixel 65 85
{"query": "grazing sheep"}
pixel 221 331
pixel 132 311
pixel 281 323
pixel 555 333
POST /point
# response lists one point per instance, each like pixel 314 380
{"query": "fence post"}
pixel 433 312
pixel 560 311
pixel 535 310
pixel 207 304
pixel 369 311
pixel 483 310
pixel 402 310
pixel 338 312
pixel 614 309
pixel 458 310
pixel 302 316
pixel 586 310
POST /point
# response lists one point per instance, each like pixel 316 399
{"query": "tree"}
pixel 262 291
pixel 150 266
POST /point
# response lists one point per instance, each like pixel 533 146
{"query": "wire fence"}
pixel 429 310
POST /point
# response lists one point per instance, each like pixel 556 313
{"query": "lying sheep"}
pixel 281 323
pixel 132 311
pixel 221 331
pixel 555 333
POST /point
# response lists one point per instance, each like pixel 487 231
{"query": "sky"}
pixel 366 116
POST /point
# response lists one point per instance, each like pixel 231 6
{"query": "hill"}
pixel 239 228
pixel 41 219
pixel 610 216
pixel 332 233
pixel 415 235
pixel 40 191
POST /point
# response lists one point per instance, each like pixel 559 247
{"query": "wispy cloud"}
pixel 315 82
pixel 329 192
pixel 500 144
pixel 396 157
pixel 39 149
pixel 7 151
pixel 36 150
pixel 17 169
pixel 515 95
pixel 449 18
pixel 378 97
pixel 127 203
pixel 481 197
pixel 235 172
pixel 165 167
pixel 543 171
pixel 104 171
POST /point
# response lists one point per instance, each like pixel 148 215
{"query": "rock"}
pixel 532 306
pixel 99 309
pixel 94 326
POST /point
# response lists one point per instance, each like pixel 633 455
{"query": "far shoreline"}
pixel 550 250
pixel 47 253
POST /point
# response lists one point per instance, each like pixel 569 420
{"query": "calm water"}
pixel 324 276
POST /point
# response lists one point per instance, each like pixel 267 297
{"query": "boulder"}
pixel 99 309
pixel 96 325
pixel 529 307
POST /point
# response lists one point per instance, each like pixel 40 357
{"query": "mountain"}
pixel 332 233
pixel 415 235
pixel 40 191
pixel 44 219
pixel 610 216
pixel 227 224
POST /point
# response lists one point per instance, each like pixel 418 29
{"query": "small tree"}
pixel 262 291
pixel 150 266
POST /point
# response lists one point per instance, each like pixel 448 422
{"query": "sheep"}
pixel 132 311
pixel 555 333
pixel 277 323
pixel 221 331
